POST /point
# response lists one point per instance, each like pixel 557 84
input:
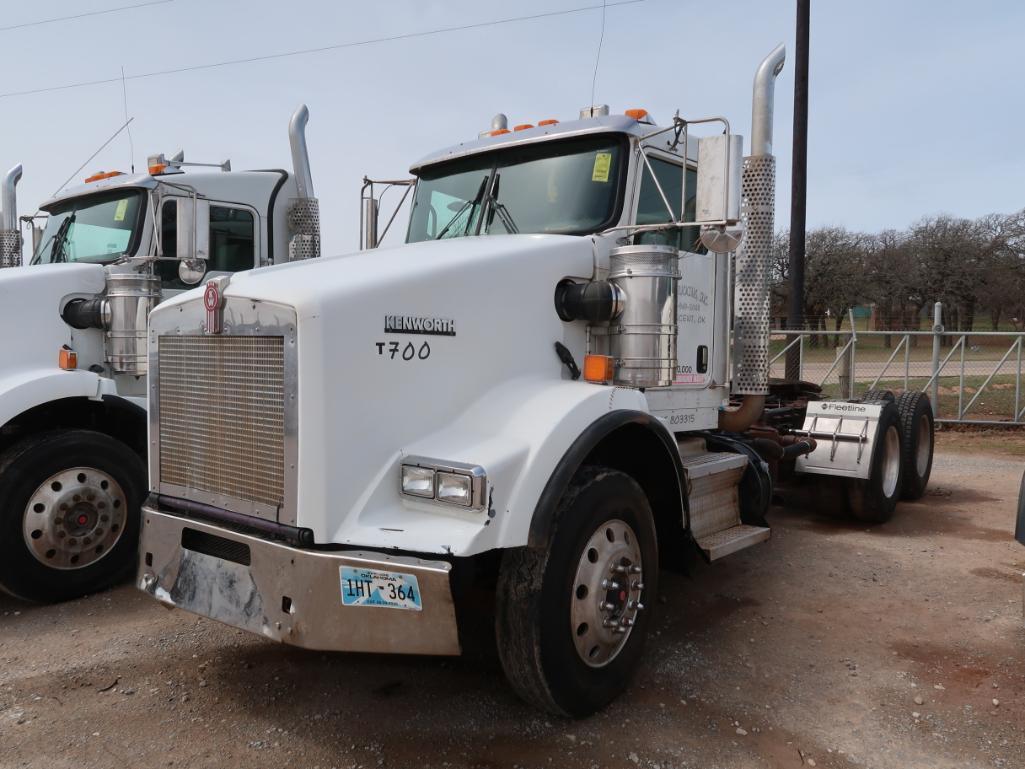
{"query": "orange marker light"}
pixel 67 359
pixel 550 121
pixel 637 114
pixel 498 132
pixel 157 168
pixel 103 175
pixel 599 368
pixel 523 126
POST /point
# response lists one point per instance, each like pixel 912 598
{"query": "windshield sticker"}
pixel 122 208
pixel 602 164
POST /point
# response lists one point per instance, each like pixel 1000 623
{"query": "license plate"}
pixel 387 589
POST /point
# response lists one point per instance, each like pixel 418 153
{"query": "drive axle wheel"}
pixel 69 504
pixel 571 618
pixel 918 434
pixel 873 499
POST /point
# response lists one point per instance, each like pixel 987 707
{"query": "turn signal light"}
pixel 157 168
pixel 637 114
pixel 550 121
pixel 498 132
pixel 523 126
pixel 67 359
pixel 599 368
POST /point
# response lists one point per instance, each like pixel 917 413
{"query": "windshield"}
pixel 570 187
pixel 95 228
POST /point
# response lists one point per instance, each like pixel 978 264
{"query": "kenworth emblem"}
pixel 416 324
pixel 214 304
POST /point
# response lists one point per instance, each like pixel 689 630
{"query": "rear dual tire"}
pixel 874 499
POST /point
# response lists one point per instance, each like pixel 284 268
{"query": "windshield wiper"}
pixel 58 251
pixel 499 208
pixel 474 202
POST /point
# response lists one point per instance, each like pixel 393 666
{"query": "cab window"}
pixel 232 241
pixel 652 210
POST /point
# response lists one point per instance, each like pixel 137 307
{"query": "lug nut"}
pixel 607 606
pixel 635 569
pixel 626 622
pixel 609 584
pixel 638 586
pixel 609 623
pixel 635 605
pixel 619 568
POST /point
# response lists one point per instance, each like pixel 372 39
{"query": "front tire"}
pixel 571 619
pixel 69 514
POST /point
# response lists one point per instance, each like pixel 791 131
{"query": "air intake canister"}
pixel 130 298
pixel 643 339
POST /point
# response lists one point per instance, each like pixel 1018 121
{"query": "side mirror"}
pixel 193 229
pixel 191 271
pixel 720 163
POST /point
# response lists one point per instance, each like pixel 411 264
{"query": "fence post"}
pixel 937 334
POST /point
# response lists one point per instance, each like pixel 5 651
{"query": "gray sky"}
pixel 914 104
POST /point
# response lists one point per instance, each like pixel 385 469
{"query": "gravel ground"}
pixel 833 645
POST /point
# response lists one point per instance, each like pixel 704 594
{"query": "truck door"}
pixel 234 245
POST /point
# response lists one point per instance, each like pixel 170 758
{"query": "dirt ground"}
pixel 833 645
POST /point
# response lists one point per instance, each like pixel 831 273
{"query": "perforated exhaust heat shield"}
pixel 753 274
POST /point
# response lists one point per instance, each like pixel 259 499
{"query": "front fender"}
pixel 519 433
pixel 27 388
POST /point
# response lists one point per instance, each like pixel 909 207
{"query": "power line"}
pixel 102 12
pixel 320 49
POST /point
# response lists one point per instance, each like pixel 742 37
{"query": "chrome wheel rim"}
pixel 606 593
pixel 924 447
pixel 891 461
pixel 74 518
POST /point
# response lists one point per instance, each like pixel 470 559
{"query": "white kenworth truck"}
pixel 532 393
pixel 73 379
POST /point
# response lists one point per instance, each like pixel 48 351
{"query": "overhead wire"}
pixel 320 49
pixel 85 14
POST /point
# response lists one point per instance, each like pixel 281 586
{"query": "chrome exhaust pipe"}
pixel 764 101
pixel 300 153
pixel 304 211
pixel 10 236
pixel 754 257
pixel 9 199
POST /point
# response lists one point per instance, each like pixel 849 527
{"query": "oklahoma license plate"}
pixel 388 589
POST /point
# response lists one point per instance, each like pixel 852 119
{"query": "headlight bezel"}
pixel 474 476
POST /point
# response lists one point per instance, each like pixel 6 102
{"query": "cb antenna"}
pixel 597 58
pixel 124 101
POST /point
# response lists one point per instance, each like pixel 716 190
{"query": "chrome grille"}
pixel 222 416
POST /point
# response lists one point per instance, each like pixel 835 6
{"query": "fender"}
pixel 27 388
pixel 543 521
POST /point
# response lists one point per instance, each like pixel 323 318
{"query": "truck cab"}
pixel 73 387
pixel 554 387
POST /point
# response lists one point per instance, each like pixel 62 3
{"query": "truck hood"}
pixel 31 298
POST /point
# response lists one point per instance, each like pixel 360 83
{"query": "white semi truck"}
pixel 73 380
pixel 537 392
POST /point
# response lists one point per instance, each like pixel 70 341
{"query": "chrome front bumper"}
pixel 289 594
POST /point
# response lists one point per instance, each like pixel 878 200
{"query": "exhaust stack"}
pixel 304 210
pixel 10 236
pixel 752 294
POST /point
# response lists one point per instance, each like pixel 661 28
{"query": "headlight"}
pixel 454 488
pixel 418 481
pixel 454 483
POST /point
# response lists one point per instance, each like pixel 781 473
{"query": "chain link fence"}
pixel 971 377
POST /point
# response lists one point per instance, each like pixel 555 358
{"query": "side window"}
pixel 232 239
pixel 232 235
pixel 651 209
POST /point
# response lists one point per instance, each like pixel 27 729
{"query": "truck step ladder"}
pixel 713 480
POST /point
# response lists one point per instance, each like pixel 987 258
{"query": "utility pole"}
pixel 798 186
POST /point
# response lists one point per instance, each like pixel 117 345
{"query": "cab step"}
pixel 722 543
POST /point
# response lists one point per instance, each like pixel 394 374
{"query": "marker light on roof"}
pixel 523 126
pixel 637 114
pixel 550 121
pixel 498 132
pixel 103 175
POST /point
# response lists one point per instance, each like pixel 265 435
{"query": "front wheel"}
pixel 69 514
pixel 571 619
